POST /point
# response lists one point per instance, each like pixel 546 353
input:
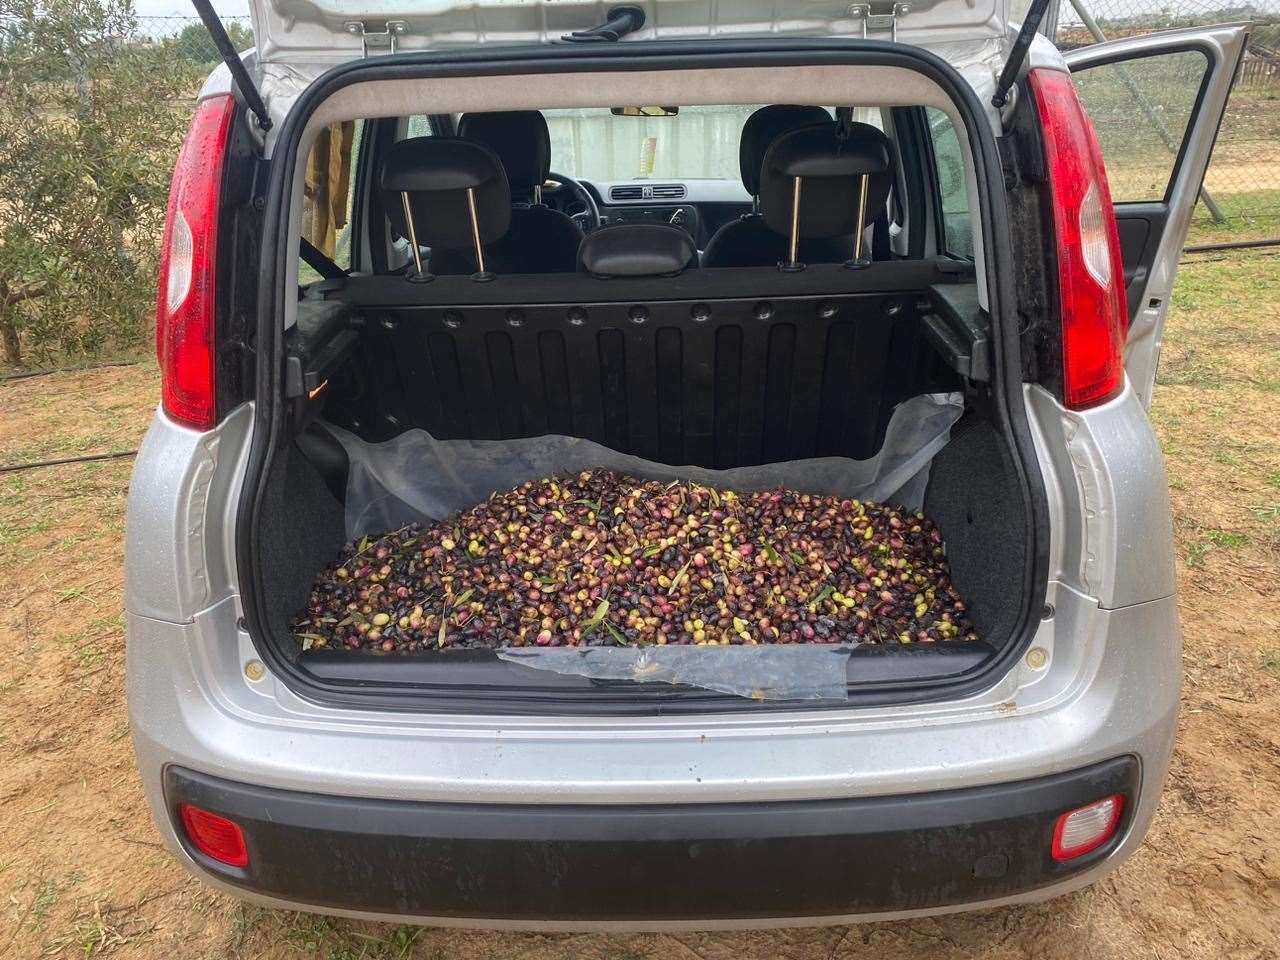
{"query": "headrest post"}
pixel 860 262
pixel 793 265
pixel 418 276
pixel 481 275
pixel 537 194
pixel 845 183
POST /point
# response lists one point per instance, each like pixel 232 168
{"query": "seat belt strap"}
pixel 317 261
pixel 880 248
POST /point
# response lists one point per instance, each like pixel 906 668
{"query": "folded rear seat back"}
pixel 682 368
pixel 640 352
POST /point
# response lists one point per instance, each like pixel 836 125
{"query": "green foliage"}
pixel 196 45
pixel 1271 662
pixel 91 115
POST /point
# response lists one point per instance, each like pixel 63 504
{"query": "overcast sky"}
pixel 183 8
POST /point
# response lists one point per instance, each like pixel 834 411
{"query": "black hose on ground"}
pixel 28 374
pixel 90 458
pixel 1232 245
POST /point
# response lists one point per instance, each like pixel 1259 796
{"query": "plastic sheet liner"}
pixel 809 672
pixel 417 478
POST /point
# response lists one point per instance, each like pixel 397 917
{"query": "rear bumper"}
pixel 678 862
pixel 1110 690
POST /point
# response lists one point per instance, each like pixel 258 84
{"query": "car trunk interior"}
pixel 718 368
pixel 707 378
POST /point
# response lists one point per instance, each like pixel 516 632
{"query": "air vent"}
pixel 645 191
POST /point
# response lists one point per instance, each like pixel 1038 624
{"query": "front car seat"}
pixel 748 241
pixel 443 182
pixel 539 240
pixel 811 181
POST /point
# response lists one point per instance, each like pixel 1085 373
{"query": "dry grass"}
pixel 81 873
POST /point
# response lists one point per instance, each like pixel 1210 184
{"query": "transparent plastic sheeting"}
pixel 417 478
pixel 761 672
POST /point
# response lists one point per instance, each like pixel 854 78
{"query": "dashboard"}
pixel 682 215
pixel 699 207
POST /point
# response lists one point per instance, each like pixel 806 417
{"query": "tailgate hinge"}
pixel 879 17
pixel 384 39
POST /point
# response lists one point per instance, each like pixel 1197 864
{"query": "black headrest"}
pixel 436 172
pixel 520 139
pixel 637 250
pixel 831 171
pixel 762 128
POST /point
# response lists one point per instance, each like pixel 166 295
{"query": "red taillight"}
pixel 1086 828
pixel 1090 274
pixel 188 268
pixel 216 837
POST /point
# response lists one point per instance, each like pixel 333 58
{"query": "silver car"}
pixel 413 254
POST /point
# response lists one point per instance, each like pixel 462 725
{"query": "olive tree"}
pixel 194 42
pixel 90 117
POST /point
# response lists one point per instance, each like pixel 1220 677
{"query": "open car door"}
pixel 1156 102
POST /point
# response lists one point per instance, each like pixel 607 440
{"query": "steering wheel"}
pixel 588 219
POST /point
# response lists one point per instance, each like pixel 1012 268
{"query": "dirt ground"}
pixel 82 874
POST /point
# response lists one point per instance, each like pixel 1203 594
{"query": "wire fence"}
pixel 186 36
pixel 1240 201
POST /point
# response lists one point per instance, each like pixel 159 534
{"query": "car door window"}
pixel 328 194
pixel 1141 110
pixel 953 195
pixel 418 125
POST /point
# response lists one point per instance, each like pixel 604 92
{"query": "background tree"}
pixel 91 114
pixel 194 43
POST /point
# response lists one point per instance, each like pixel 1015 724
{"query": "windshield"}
pixel 699 143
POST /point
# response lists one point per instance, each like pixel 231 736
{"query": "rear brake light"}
pixel 1086 828
pixel 215 836
pixel 188 269
pixel 1090 274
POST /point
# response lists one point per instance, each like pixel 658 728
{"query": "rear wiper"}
pixel 227 50
pixel 618 23
pixel 1008 75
